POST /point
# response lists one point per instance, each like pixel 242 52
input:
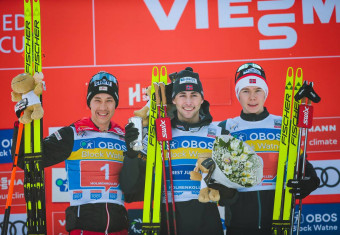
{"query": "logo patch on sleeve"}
pixel 57 135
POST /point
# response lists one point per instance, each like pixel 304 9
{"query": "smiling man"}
pixel 92 149
pixel 251 209
pixel 192 134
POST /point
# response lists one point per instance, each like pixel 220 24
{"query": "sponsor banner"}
pixel 6 139
pixel 18 198
pixel 59 185
pixel 328 172
pixel 17 224
pixel 321 219
pixel 324 136
pixel 59 223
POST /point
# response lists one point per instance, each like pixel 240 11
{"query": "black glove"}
pixel 302 188
pixel 225 192
pixel 131 134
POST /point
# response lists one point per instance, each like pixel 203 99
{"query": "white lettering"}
pixel 289 33
pixel 135 94
pixel 225 11
pixel 62 222
pixel 201 10
pixel 323 10
pixel 163 21
pixel 275 5
pixel 17 16
pixel 6 22
pixel 6 143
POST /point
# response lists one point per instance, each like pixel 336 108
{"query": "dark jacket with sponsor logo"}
pixel 93 207
pixel 192 216
pixel 251 212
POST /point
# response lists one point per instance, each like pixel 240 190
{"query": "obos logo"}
pixel 316 218
pixel 264 136
pixel 112 145
pixel 329 176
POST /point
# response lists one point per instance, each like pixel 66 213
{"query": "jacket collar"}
pixel 252 117
pixel 86 124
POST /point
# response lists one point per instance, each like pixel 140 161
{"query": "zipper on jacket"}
pixel 108 219
pixel 260 208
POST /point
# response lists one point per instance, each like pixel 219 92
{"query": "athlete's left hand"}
pixel 302 188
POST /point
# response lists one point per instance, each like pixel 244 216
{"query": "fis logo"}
pixel 211 132
pixel 277 123
pixel 87 144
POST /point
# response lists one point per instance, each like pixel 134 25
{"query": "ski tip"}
pixel 290 72
pixel 155 71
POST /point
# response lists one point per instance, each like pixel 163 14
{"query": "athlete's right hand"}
pixel 131 134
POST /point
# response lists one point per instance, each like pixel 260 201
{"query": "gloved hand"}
pixel 131 134
pixel 303 187
pixel 225 192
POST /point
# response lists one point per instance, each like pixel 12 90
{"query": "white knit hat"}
pixel 251 79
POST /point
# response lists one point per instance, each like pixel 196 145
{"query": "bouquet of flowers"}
pixel 237 164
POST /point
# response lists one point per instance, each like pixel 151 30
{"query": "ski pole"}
pixel 163 92
pixel 305 119
pixel 11 186
pixel 161 143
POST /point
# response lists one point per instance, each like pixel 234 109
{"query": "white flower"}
pixel 234 144
pixel 246 150
pixel 227 170
pixel 248 164
pixel 237 162
pixel 243 157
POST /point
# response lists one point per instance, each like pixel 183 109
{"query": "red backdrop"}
pixel 127 38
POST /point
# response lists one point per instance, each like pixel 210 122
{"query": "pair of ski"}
pixel 34 183
pixel 158 150
pixel 296 119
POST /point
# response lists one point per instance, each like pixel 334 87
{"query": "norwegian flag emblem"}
pixel 189 87
pixel 252 80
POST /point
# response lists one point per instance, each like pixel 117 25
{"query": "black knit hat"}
pixel 186 80
pixel 103 82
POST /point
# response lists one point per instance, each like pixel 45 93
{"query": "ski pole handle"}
pixel 158 100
